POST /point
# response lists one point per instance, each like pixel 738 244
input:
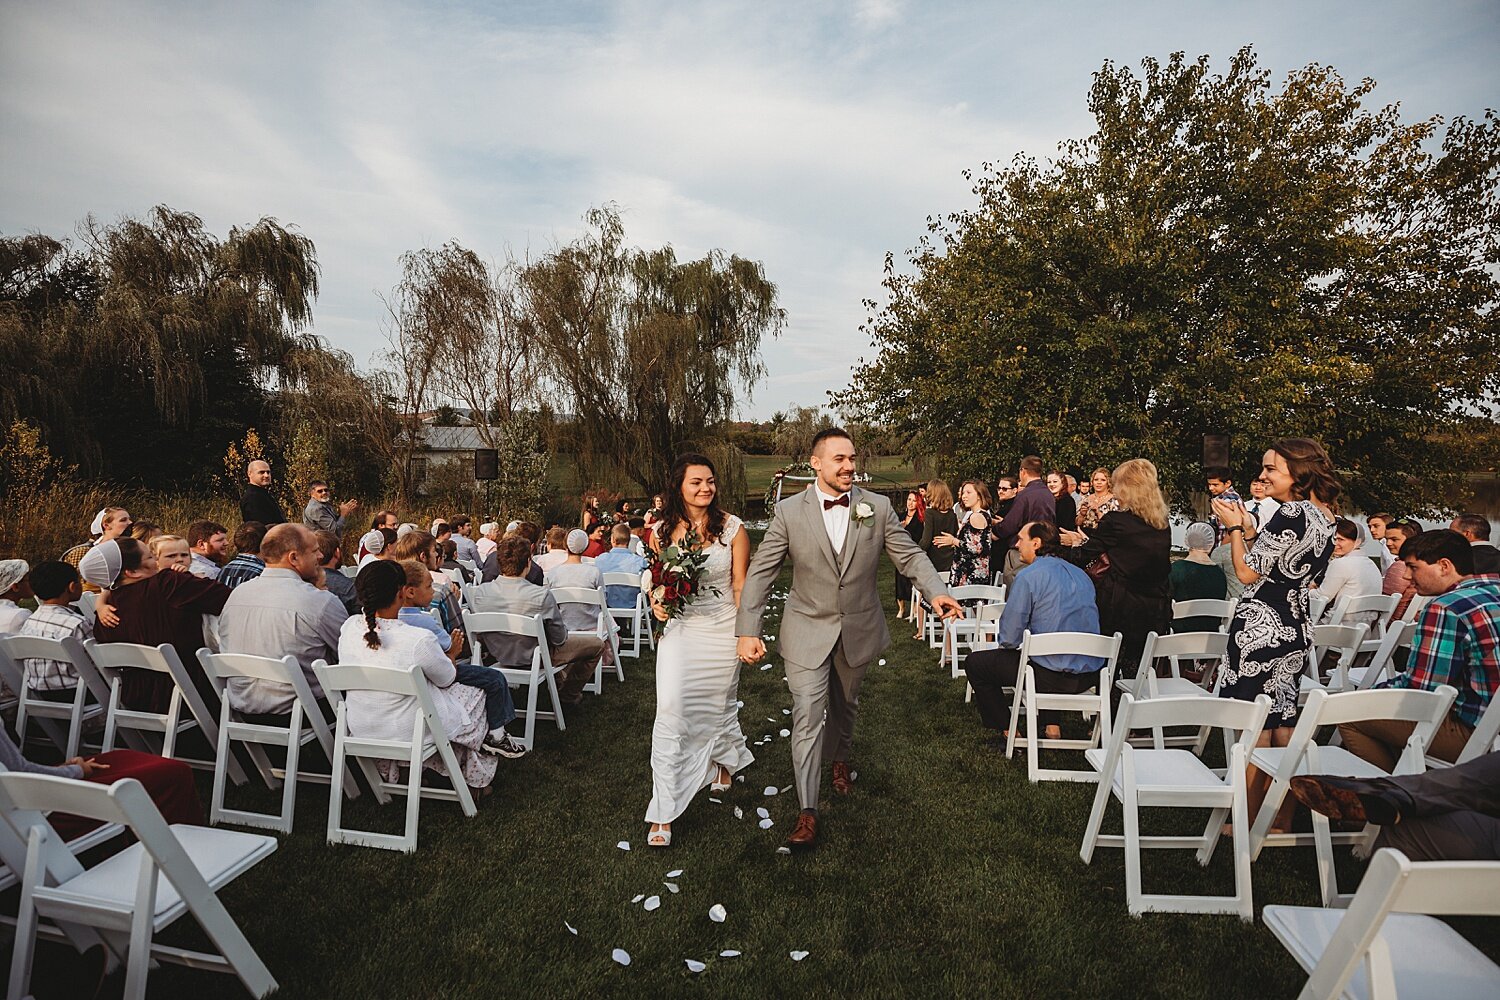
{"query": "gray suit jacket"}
pixel 516 596
pixel 831 597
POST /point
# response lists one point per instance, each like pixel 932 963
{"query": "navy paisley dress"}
pixel 1270 633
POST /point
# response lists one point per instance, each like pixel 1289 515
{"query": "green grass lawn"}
pixel 944 874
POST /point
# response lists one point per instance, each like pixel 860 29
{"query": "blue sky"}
pixel 813 137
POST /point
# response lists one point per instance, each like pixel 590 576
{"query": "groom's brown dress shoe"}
pixel 805 835
pixel 842 783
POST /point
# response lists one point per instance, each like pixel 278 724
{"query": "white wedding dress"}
pixel 697 686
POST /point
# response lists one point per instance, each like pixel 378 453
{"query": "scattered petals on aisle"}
pixel 672 887
pixel 717 913
pixel 729 953
pixel 653 903
pixel 621 955
pixel 694 965
pixel 771 790
pixel 675 873
pixel 623 845
pixel 571 929
pixel 798 956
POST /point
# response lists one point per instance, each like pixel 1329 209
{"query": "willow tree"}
pixel 1220 256
pixel 646 353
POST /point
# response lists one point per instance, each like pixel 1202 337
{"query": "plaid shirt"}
pixel 1228 496
pixel 54 621
pixel 241 568
pixel 1458 643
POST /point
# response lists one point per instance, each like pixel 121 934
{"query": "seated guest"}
pixel 172 552
pixel 207 540
pixel 513 594
pixel 448 560
pixel 57 587
pixel 382 519
pixel 489 539
pixel 1375 524
pixel 380 639
pixel 109 524
pixel 331 558
pixel 621 559
pixel 1476 528
pixel 247 563
pixel 320 514
pixel 463 540
pixel 374 544
pixel 422 547
pixel 499 709
pixel 637 543
pixel 1198 577
pixel 281 613
pixel 1350 573
pixel 153 608
pixel 557 549
pixel 574 572
pixel 532 533
pixel 598 540
pixel 145 531
pixel 13 588
pixel 1397 579
pixel 1457 643
pixel 1050 595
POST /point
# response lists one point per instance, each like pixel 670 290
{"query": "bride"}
pixel 696 739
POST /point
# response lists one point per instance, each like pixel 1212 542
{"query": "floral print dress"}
pixel 1092 510
pixel 971 560
pixel 1270 633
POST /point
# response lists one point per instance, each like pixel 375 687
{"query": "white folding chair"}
pixel 604 629
pixel 168 872
pixel 471 572
pixel 978 629
pixel 540 674
pixel 427 738
pixel 1398 636
pixel 15 650
pixel 637 618
pixel 1206 607
pixel 1481 741
pixel 1302 755
pixel 87 604
pixel 304 725
pixel 1383 606
pixel 112 658
pixel 1093 703
pixel 1385 945
pixel 1414 609
pixel 1174 648
pixel 1346 641
pixel 1154 778
pixel 350 571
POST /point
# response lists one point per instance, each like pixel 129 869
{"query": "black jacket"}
pixel 1034 503
pixel 258 505
pixel 1134 593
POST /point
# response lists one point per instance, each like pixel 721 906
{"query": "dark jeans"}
pixel 498 706
pixel 992 670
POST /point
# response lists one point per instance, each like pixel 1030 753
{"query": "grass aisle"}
pixel 944 874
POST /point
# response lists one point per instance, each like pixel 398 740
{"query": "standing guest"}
pixel 1270 633
pixel 247 563
pixel 1064 506
pixel 1376 524
pixel 171 552
pixel 574 572
pixel 1100 501
pixel 1049 595
pixel 1221 487
pixel 380 639
pixel 256 503
pixel 1197 578
pixel 153 608
pixel 623 512
pixel 912 522
pixel 1033 502
pixel 971 543
pixel 56 586
pixel 1005 495
pixel 382 519
pixel 557 548
pixel 1134 546
pixel 331 558
pixel 13 588
pixel 1397 579
pixel 1476 528
pixel 1457 643
pixel 1081 489
pixel 621 559
pixel 1261 507
pixel 590 516
pixel 280 613
pixel 320 513
pixel 1350 574
pixel 940 521
pixel 207 540
pixel 598 540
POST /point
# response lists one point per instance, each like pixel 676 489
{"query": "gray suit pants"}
pixel 1455 814
pixel 823 697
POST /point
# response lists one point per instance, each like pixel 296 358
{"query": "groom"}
pixel 834 624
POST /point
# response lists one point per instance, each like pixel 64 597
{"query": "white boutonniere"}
pixel 862 513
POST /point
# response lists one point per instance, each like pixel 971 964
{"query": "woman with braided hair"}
pixel 378 638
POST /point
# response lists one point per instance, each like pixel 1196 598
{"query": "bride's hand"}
pixel 659 611
pixel 751 649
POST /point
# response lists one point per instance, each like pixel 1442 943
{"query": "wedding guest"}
pixel 1100 501
pixel 489 537
pixel 256 503
pixel 557 548
pixel 1221 487
pixel 463 541
pixel 1397 579
pixel 146 531
pixel 172 553
pixel 1064 506
pixel 380 639
pixel 638 533
pixel 13 588
pixel 1350 574
pixel 153 608
pixel 207 540
pixel 532 533
pixel 1197 578
pixel 247 563
pixel 1131 551
pixel 382 519
pixel 1261 507
pixel 1476 528
pixel 970 545
pixel 420 546
pixel 1375 524
pixel 1033 502
pixel 598 540
pixel 109 524
pixel 621 559
pixel 912 522
pixel 1005 495
pixel 320 513
pixel 574 572
pixel 374 544
pixel 331 558
pixel 940 521
pixel 57 587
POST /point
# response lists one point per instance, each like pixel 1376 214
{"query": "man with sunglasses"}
pixel 321 514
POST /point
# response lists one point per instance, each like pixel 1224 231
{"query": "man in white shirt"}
pixel 557 548
pixel 206 540
pixel 279 613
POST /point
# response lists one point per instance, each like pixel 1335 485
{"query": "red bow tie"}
pixel 842 501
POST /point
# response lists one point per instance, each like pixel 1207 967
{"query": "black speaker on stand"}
pixel 486 463
pixel 1215 450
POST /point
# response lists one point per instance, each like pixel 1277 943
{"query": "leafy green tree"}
pixel 1219 257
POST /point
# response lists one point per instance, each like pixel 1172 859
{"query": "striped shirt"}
pixel 54 621
pixel 241 568
pixel 1458 643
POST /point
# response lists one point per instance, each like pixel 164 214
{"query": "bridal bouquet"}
pixel 676 573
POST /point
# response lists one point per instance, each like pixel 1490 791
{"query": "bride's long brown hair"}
pixel 674 509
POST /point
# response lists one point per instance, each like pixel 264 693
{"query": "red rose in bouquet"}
pixel 676 572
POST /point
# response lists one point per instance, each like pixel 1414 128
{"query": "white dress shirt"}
pixel 835 519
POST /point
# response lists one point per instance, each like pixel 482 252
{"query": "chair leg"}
pixel 1241 825
pixel 24 948
pixel 557 706
pixel 221 770
pixel 340 762
pixel 1132 839
pixel 289 782
pixel 1033 735
pixel 1015 715
pixel 138 965
pixel 533 693
pixel 1096 816
pixel 414 790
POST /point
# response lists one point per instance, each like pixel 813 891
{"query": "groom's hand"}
pixel 751 649
pixel 947 606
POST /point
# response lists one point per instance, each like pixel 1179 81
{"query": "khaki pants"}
pixel 1381 741
pixel 578 656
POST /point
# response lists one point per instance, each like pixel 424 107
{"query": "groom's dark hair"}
pixel 826 433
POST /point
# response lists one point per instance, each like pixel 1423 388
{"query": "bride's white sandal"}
pixel 659 837
pixel 721 786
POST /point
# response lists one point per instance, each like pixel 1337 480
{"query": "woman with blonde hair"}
pixel 1129 555
pixel 1100 501
pixel 940 520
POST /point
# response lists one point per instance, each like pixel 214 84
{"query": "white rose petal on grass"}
pixel 729 953
pixel 766 666
pixel 623 845
pixel 785 733
pixel 762 813
pixel 717 913
pixel 653 903
pixel 783 850
pixel 771 789
pixel 637 899
pixel 798 956
pixel 766 824
pixel 620 955
pixel 716 801
pixel 672 887
pixel 786 711
pixel 788 788
pixel 694 965
pixel 571 929
pixel 740 778
pixel 882 663
pixel 739 813
pixel 674 873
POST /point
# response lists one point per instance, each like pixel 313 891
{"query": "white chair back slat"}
pixel 1204 608
pixel 540 675
pixel 50 715
pixel 636 618
pixel 1095 703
